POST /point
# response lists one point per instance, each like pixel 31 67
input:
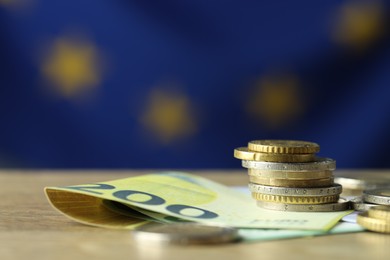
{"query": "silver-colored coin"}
pixel 335 189
pixel 341 205
pixel 184 233
pixel 363 182
pixel 306 175
pixel 359 205
pixel 320 164
pixel 377 196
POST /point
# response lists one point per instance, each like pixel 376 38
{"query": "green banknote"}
pixel 172 196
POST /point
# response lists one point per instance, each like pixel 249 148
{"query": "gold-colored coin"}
pixel 295 199
pixel 283 146
pixel 291 183
pixel 380 212
pixel 290 175
pixel 373 224
pixel 244 154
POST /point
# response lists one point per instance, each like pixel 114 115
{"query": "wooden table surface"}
pixel 31 229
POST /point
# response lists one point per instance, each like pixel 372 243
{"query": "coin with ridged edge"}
pixel 341 205
pixel 377 196
pixel 290 174
pixel 319 164
pixel 382 212
pixel 295 199
pixel 244 154
pixel 184 233
pixel 335 189
pixel 373 224
pixel 283 146
pixel 359 205
pixel 291 183
pixel 366 182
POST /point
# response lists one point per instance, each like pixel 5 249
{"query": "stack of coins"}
pixel 375 219
pixel 286 175
pixel 371 198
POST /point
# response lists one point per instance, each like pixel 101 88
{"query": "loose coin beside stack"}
pixel 286 175
pixel 360 205
pixel 355 182
pixel 376 219
pixel 371 198
pixel 378 196
pixel 186 233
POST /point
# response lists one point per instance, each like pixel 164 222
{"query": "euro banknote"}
pixel 175 196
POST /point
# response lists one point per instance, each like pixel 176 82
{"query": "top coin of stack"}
pixel 286 151
pixel 286 175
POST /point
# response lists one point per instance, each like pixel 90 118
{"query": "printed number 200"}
pixel 153 201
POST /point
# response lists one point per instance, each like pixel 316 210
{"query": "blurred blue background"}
pixel 180 84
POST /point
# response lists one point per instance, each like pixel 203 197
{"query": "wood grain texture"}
pixel 31 229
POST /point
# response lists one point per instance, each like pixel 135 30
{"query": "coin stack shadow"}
pixel 286 175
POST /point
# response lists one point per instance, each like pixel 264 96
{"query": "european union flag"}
pixel 180 84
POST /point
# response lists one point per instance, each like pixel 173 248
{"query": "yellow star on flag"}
pixel 72 66
pixel 276 101
pixel 169 115
pixel 359 23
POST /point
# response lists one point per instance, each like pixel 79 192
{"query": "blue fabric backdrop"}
pixel 180 84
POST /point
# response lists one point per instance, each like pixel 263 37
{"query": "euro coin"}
pixel 341 205
pixel 373 224
pixel 378 196
pixel 359 205
pixel 319 164
pixel 184 233
pixel 290 174
pixel 295 199
pixel 244 154
pixel 382 212
pixel 354 186
pixel 283 146
pixel 292 183
pixel 363 183
pixel 334 189
pixel 355 182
